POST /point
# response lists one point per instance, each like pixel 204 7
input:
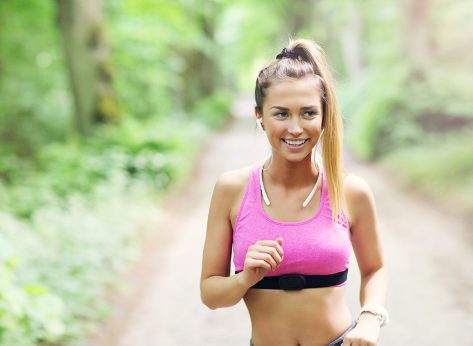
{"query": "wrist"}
pixel 242 281
pixel 369 318
pixel 370 311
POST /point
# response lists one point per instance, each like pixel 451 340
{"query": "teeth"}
pixel 299 142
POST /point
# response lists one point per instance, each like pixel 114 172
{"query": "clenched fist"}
pixel 261 257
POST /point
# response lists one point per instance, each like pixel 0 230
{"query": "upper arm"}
pixel 218 240
pixel 364 229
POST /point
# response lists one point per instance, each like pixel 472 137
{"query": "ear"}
pixel 259 119
pixel 257 113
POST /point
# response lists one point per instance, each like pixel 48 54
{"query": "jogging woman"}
pixel 292 219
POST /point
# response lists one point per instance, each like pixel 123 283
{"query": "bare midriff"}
pixel 308 317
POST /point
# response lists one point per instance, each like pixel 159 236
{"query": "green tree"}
pixel 82 27
pixel 200 76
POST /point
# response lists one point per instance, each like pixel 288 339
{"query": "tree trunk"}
pixel 351 45
pixel 81 25
pixel 419 41
pixel 200 76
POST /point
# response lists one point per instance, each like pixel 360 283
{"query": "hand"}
pixel 366 332
pixel 261 257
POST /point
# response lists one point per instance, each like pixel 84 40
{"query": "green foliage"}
pixel 153 153
pixel 66 259
pixel 165 39
pixel 411 112
pixel 34 102
pixel 242 50
pixel 373 110
pixel 72 224
pixel 444 90
pixel 71 208
pixel 213 110
pixel 441 166
pixel 28 311
pixel 389 110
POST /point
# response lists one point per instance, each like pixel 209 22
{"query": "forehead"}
pixel 294 92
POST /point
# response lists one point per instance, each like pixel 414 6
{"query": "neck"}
pixel 291 174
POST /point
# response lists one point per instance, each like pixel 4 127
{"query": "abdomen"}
pixel 309 317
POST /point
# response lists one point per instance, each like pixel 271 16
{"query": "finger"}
pixel 265 257
pixel 273 252
pixel 253 249
pixel 272 243
pixel 279 242
pixel 257 264
pixel 347 342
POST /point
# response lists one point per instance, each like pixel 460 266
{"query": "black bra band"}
pixel 294 282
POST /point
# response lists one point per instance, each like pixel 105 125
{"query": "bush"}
pixel 393 109
pixel 151 153
pixel 441 167
pixel 57 265
pixel 73 221
pixel 29 311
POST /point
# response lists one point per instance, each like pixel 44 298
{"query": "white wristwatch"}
pixel 377 310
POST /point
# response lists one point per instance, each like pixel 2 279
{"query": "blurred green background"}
pixel 104 105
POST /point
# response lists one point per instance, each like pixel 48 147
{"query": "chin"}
pixel 297 158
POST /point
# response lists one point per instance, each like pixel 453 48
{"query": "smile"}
pixel 295 143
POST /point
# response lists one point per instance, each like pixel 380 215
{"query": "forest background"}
pixel 104 105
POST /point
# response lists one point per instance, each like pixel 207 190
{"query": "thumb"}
pixel 280 240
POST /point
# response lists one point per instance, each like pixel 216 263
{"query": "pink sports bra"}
pixel 315 246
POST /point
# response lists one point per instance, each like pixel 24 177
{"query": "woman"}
pixel 292 220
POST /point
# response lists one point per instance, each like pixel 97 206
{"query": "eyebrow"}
pixel 304 108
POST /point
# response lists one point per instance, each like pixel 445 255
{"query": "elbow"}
pixel 378 270
pixel 214 294
pixel 207 302
pixel 210 306
pixel 378 274
pixel 206 299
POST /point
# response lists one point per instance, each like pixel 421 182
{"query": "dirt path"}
pixel 429 254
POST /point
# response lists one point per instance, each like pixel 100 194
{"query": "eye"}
pixel 281 114
pixel 310 114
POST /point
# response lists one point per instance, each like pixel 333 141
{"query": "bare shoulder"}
pixel 356 186
pixel 232 182
pixel 229 190
pixel 358 194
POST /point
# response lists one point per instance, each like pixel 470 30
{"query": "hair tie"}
pixel 285 53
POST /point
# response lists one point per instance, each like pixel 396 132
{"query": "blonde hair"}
pixel 300 59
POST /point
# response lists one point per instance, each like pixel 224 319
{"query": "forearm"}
pixel 222 291
pixel 374 287
pixel 373 291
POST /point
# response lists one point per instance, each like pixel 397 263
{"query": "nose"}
pixel 294 127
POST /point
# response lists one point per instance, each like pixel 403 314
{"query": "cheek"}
pixel 316 125
pixel 275 129
pixel 311 125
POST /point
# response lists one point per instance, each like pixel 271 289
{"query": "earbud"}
pixel 259 123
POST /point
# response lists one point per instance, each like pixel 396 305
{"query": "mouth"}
pixel 295 143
